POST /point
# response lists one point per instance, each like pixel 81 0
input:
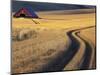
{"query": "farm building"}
pixel 26 12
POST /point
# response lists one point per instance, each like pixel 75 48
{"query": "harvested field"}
pixel 56 43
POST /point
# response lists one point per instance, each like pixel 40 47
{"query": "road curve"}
pixel 62 58
pixel 87 53
pixel 73 64
pixel 76 55
pixel 88 58
pixel 79 54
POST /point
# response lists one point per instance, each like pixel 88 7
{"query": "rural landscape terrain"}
pixel 60 40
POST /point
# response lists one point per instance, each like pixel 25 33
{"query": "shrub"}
pixel 23 34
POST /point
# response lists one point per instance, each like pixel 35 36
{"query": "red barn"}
pixel 26 12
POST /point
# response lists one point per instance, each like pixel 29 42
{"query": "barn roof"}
pixel 31 11
pixel 28 10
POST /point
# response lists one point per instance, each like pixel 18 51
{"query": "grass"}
pixel 29 55
pixel 24 52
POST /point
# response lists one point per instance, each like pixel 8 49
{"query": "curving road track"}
pixel 79 55
pixel 87 52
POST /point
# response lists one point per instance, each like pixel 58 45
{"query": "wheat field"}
pixel 47 39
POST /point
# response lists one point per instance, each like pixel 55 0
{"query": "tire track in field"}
pixel 64 58
pixel 86 58
pixel 74 62
pixel 87 61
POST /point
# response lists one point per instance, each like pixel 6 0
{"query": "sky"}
pixel 42 6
